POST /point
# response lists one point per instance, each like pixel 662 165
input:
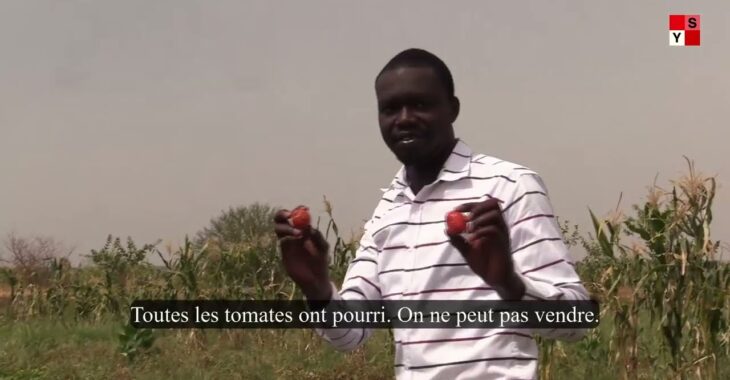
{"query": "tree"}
pixel 242 225
pixel 31 257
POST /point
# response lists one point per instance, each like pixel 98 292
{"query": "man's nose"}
pixel 405 115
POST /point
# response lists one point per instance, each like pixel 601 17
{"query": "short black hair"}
pixel 421 58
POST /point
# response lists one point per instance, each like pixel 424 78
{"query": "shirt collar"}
pixel 456 167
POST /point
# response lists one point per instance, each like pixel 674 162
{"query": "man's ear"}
pixel 455 107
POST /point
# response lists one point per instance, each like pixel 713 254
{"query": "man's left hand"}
pixel 486 248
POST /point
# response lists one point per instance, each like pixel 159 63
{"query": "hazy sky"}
pixel 147 118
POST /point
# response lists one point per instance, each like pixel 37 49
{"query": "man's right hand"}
pixel 304 254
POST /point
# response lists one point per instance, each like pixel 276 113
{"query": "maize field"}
pixel 664 295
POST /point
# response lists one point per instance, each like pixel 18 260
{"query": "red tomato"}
pixel 455 223
pixel 300 218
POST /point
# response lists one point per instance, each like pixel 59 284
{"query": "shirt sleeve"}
pixel 361 283
pixel 539 253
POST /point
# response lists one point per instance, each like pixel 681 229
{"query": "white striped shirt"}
pixel 404 254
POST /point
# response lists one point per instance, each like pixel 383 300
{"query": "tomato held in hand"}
pixel 455 223
pixel 300 218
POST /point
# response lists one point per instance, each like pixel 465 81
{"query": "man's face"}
pixel 415 114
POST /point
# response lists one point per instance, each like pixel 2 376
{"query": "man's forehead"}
pixel 406 76
pixel 407 72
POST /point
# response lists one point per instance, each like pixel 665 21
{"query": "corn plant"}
pixel 184 270
pixel 343 251
pixel 669 260
pixel 675 226
pixel 118 263
pixel 551 351
pixel 133 342
pixel 58 293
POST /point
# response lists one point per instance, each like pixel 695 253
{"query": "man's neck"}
pixel 422 175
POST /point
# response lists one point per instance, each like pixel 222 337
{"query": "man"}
pixel 513 248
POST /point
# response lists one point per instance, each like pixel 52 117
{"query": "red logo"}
pixel 684 30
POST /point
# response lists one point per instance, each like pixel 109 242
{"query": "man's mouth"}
pixel 407 139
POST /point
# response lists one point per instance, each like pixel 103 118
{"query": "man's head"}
pixel 416 107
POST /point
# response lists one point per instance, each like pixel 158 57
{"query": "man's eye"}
pixel 421 105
